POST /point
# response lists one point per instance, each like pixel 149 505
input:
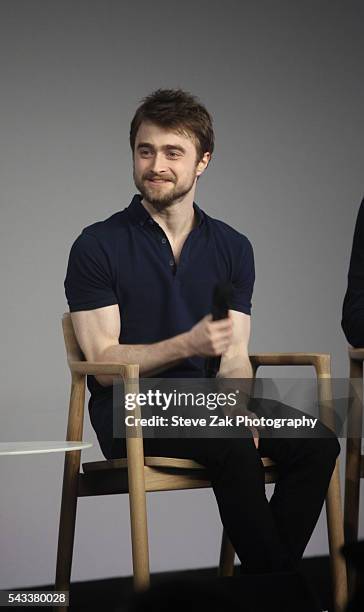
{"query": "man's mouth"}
pixel 157 181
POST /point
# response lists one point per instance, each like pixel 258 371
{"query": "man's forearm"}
pixel 237 367
pixel 152 358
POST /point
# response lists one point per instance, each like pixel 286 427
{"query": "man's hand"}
pixel 210 338
pixel 244 386
pixel 236 410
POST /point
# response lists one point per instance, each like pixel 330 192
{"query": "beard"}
pixel 164 195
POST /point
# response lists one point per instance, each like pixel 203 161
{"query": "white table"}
pixel 31 448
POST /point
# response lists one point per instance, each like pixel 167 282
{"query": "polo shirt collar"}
pixel 141 215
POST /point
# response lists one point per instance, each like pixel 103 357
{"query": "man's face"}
pixel 165 167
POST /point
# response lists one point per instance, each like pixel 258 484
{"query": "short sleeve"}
pixel 243 279
pixel 353 307
pixel 88 283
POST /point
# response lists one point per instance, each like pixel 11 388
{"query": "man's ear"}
pixel 203 163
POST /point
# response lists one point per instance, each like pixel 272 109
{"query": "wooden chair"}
pixel 354 469
pixel 137 474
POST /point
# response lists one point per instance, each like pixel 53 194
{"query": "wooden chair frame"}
pixel 354 468
pixel 138 474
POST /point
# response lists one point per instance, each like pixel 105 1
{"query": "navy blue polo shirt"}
pixel 127 260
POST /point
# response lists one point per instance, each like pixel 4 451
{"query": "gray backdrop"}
pixel 284 83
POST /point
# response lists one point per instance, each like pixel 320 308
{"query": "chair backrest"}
pixel 73 350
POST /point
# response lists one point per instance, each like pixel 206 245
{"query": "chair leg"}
pixel 67 522
pixel 352 498
pixel 139 540
pixel 227 555
pixel 353 464
pixel 352 489
pixel 336 541
pixel 138 514
pixel 137 485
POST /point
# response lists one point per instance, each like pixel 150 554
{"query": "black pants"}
pixel 267 536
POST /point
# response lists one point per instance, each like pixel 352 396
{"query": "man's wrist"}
pixel 184 345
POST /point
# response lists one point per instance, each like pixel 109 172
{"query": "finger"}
pixel 255 436
pixel 221 348
pixel 221 329
pixel 222 337
pixel 222 324
pixel 221 340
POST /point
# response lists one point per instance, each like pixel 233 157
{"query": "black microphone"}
pixel 221 301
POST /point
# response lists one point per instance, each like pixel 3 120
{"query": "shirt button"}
pixel 164 241
pixel 150 221
pixel 171 262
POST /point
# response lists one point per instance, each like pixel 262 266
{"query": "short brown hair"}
pixel 180 111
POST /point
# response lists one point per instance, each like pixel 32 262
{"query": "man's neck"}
pixel 177 220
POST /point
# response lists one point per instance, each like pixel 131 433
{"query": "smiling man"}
pixel 139 287
pixel 176 179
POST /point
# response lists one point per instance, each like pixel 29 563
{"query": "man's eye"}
pixel 173 154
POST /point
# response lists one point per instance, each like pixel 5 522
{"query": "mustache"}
pixel 155 177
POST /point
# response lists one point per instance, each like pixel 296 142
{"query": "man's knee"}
pixel 332 447
pixel 326 448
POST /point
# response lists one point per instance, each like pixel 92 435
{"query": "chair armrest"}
pixel 356 353
pixel 130 374
pixel 126 370
pixel 257 359
pixel 320 361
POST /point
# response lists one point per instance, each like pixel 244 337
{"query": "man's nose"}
pixel 158 163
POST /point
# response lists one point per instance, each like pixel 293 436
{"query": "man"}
pixel 353 307
pixel 139 287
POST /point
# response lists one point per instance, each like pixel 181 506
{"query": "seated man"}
pixel 139 286
pixel 353 307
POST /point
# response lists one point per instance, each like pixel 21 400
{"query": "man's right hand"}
pixel 210 338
